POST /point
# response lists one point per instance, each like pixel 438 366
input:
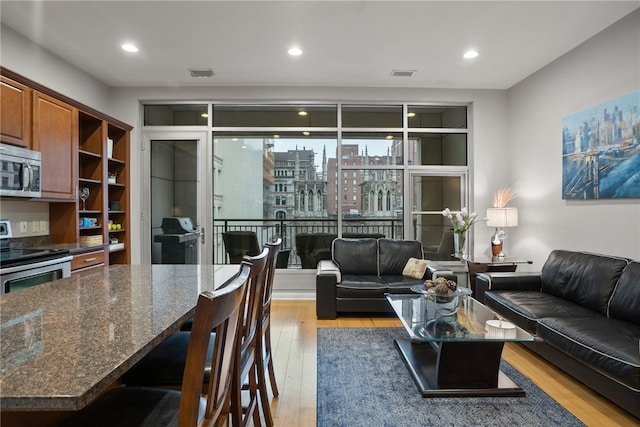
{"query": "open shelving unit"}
pixel 117 196
pixel 81 148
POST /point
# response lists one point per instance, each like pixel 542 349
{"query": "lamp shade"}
pixel 502 217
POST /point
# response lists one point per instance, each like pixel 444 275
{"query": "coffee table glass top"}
pixel 430 318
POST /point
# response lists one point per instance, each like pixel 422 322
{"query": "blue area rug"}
pixel 363 382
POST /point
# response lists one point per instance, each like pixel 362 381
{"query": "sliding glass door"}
pixel 176 174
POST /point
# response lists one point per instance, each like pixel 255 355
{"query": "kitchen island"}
pixel 65 342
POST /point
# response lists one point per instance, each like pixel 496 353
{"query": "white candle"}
pixel 500 329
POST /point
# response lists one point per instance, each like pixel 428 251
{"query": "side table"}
pixel 478 265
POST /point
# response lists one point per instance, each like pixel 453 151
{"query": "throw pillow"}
pixel 415 268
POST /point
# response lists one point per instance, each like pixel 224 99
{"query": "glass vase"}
pixel 459 240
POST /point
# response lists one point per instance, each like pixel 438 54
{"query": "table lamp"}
pixel 500 218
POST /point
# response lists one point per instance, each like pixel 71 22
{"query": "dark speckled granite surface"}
pixel 64 342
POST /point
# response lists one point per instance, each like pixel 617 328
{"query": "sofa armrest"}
pixel 433 272
pixel 327 277
pixel 327 267
pixel 506 281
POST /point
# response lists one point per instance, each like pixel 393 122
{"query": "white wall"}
pixel 602 69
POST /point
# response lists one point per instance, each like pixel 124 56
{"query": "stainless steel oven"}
pixel 25 267
pixel 19 172
pixel 38 270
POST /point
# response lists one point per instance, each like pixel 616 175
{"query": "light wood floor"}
pixel 294 338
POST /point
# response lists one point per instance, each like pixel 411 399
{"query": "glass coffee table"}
pixel 451 350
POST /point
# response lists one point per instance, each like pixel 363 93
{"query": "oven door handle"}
pixel 36 265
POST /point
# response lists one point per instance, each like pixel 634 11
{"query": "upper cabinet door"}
pixel 15 112
pixel 55 135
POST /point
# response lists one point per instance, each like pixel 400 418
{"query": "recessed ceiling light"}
pixel 295 51
pixel 276 136
pixel 302 113
pixel 470 54
pixel 411 114
pixel 129 47
pixel 389 136
pixel 306 133
pixel 204 115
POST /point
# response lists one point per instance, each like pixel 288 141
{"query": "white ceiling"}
pixel 345 43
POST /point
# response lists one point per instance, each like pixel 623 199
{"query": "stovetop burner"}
pixel 12 255
pixel 15 257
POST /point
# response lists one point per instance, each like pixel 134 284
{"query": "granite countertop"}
pixel 64 342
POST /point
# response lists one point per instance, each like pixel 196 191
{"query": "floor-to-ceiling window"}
pixel 310 172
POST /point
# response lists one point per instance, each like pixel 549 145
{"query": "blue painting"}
pixel 601 151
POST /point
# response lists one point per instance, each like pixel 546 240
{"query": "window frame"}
pixel 408 169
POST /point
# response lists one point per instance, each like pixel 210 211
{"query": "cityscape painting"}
pixel 601 151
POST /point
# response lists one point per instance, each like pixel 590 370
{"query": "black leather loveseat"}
pixel 361 272
pixel 584 310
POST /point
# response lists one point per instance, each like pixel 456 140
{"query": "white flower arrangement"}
pixel 461 221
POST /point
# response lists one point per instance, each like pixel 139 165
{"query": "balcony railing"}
pixel 318 231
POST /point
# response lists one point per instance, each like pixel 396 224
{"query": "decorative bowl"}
pixel 445 304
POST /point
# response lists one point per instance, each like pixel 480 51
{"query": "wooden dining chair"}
pixel 265 342
pixel 221 311
pixel 164 365
pixel 248 356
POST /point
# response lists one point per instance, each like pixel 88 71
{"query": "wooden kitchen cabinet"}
pixel 80 147
pixel 87 260
pixel 15 112
pixel 55 135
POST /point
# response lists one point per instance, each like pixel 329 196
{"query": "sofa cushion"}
pixel 524 308
pixel 355 256
pixel 415 268
pixel 586 279
pixel 607 345
pixel 400 284
pixel 394 254
pixel 361 286
pixel 625 302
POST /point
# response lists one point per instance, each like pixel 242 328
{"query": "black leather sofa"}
pixel 584 310
pixel 361 272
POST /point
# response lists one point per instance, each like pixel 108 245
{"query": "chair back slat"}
pixel 253 306
pixel 274 248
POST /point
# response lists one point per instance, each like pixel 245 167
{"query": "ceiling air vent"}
pixel 201 73
pixel 403 73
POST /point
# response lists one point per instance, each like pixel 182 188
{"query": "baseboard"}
pixel 294 284
pixel 294 295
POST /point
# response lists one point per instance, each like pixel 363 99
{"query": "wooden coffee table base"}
pixel 457 369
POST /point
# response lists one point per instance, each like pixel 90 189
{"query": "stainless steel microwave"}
pixel 20 172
